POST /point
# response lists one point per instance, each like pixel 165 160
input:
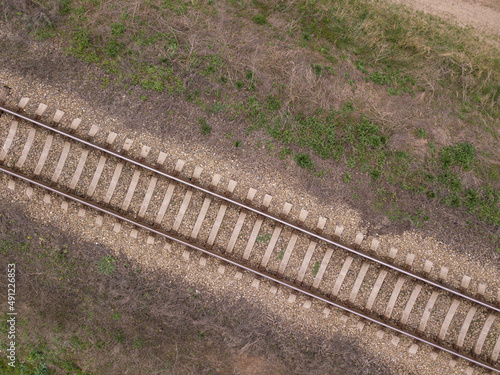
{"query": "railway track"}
pixel 247 234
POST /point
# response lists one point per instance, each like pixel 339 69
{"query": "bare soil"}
pixel 483 15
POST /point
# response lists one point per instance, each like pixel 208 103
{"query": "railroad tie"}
pixel 338 231
pixel 44 155
pixel 66 147
pixel 310 251
pixel 22 104
pixel 239 223
pixel 291 244
pixel 397 288
pixel 256 228
pixel 57 117
pixel 75 123
pixel 151 187
pixel 374 245
pixel 204 208
pixel 97 176
pixel 376 289
pixel 322 268
pixel 394 296
pixel 428 310
pixel 116 174
pixel 186 201
pixel 380 278
pixel 168 195
pixel 61 162
pixel 359 281
pixel 484 332
pixel 410 303
pixel 220 215
pixel 496 348
pixel 83 157
pixel 452 310
pixel 8 141
pixel 357 241
pixel 26 149
pixel 341 276
pixel 465 326
pixel 40 110
pixel 274 238
pixel 135 180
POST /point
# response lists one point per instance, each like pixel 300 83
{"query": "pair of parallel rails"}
pixel 464 309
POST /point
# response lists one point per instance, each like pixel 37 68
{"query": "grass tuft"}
pixel 106 265
pixel 304 161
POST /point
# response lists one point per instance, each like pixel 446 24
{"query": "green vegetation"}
pixel 263 239
pixel 259 19
pixel 421 133
pixel 315 269
pixel 204 127
pixel 304 161
pixel 460 154
pixel 106 265
pixel 284 152
pixel 281 254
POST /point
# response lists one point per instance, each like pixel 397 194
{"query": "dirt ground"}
pixel 483 15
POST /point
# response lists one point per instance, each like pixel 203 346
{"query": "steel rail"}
pixel 253 270
pixel 255 210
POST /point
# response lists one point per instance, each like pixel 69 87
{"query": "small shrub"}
pixel 204 127
pixel 330 69
pixel 65 6
pixel 113 48
pixel 421 133
pixel 452 200
pixel 285 152
pixel 461 154
pixel 117 28
pixel 375 173
pixel 304 161
pixel 239 84
pixel 317 69
pixel 237 143
pixel 107 265
pixel 347 177
pixel 273 103
pixel 260 19
pixel 347 108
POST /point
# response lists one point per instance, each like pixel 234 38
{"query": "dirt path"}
pixel 483 15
